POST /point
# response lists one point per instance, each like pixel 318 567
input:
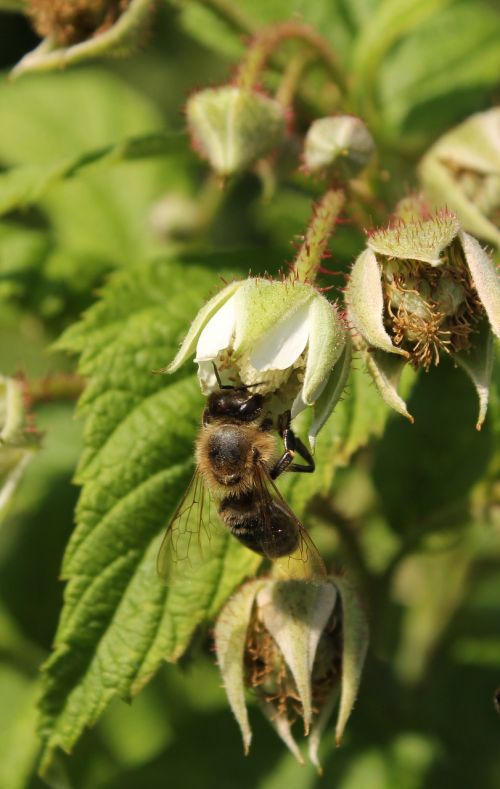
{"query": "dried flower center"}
pixel 270 677
pixel 72 21
pixel 430 310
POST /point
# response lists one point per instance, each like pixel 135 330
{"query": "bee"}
pixel 236 467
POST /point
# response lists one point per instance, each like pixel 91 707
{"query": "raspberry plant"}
pixel 151 155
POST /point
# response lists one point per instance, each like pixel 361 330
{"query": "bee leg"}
pixel 293 445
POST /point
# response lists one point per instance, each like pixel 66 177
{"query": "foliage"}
pixel 99 281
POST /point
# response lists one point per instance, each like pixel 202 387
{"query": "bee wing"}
pixel 305 561
pixel 186 543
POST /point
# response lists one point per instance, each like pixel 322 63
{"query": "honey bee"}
pixel 235 470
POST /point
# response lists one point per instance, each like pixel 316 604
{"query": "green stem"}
pixel 266 43
pixel 291 78
pixel 313 248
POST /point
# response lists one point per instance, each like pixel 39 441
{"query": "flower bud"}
pixel 76 30
pixel 282 337
pixel 298 646
pixel 340 144
pixel 232 127
pixel 462 171
pixel 423 288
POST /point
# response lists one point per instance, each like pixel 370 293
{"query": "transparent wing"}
pixel 304 560
pixel 186 543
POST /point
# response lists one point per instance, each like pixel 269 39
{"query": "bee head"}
pixel 234 403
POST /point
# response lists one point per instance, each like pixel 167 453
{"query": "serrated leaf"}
pixel 119 622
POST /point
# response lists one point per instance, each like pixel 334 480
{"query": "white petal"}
pixel 217 333
pixel 206 377
pixel 326 342
pixel 188 344
pixel 280 347
pixel 365 300
pixel 331 394
pixel 230 638
pixel 485 278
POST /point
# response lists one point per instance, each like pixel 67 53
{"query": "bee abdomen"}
pixel 264 528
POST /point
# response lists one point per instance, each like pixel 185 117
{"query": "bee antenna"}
pixel 217 376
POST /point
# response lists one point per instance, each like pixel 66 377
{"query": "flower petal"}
pixel 207 311
pixel 282 728
pixel 332 393
pixel 296 613
pixel 386 373
pixel 485 278
pixel 319 727
pixel 230 637
pixel 478 364
pixel 280 347
pixel 354 646
pixel 327 337
pixel 365 301
pixel 262 308
pixel 218 333
pixel 441 187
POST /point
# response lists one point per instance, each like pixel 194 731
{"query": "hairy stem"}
pixel 266 42
pixel 57 386
pixel 313 249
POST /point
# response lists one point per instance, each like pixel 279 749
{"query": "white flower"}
pixel 421 288
pixel 282 335
pixel 300 647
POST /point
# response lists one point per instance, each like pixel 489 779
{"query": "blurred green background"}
pixel 416 513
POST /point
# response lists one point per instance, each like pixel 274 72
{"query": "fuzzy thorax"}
pixel 227 453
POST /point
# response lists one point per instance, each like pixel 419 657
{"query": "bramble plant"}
pixel 303 201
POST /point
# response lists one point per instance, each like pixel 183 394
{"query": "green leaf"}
pixel 437 460
pixel 391 20
pixel 21 186
pixel 53 126
pixel 119 621
pixel 443 71
pixel 221 25
pixel 19 744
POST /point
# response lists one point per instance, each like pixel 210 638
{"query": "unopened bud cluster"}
pixel 233 127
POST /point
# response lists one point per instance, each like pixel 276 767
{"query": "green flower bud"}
pixel 282 337
pixel 298 646
pixel 462 171
pixel 76 30
pixel 232 128
pixel 17 440
pixel 422 288
pixel 339 144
